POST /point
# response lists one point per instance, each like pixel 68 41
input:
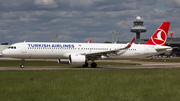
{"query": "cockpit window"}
pixel 12 47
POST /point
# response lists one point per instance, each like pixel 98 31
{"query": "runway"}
pixel 144 65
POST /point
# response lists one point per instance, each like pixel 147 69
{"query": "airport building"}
pixel 138 28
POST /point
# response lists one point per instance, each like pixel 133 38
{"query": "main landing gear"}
pixel 93 65
pixel 85 65
pixel 22 65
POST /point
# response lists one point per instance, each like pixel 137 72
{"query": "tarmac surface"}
pixel 144 65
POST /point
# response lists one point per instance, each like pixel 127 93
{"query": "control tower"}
pixel 138 28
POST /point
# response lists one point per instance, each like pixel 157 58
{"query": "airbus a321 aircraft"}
pixel 81 53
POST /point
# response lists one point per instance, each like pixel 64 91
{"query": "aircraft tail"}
pixel 160 36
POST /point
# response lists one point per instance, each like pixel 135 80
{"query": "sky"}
pixel 82 20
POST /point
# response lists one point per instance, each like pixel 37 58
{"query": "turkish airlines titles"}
pixel 52 45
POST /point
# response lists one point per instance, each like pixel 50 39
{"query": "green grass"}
pixel 91 85
pixel 158 60
pixel 17 63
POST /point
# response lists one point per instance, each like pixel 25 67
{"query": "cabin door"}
pixel 23 48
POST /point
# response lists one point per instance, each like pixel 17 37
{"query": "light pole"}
pixel 112 36
pixel 56 37
pixel 119 36
pixel 116 36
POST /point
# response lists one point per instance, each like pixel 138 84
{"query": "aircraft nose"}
pixel 4 52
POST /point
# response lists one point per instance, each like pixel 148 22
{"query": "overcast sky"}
pixel 81 20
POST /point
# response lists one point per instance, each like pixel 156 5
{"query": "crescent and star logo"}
pixel 159 38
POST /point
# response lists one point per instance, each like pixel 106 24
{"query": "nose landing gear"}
pixel 22 65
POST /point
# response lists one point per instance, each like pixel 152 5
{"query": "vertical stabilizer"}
pixel 160 36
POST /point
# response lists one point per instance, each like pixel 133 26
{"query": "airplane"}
pixel 81 53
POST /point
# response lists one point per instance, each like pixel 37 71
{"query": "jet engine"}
pixel 77 59
pixel 74 60
pixel 63 61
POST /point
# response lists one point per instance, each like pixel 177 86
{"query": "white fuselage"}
pixel 45 50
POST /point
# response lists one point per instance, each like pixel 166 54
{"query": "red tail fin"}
pixel 160 36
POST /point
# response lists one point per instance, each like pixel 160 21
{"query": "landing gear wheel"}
pixel 93 65
pixel 85 65
pixel 22 66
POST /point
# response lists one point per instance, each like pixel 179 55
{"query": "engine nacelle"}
pixel 63 61
pixel 104 57
pixel 77 59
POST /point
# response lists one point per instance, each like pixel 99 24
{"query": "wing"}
pixel 109 51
